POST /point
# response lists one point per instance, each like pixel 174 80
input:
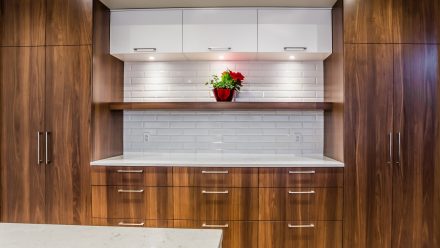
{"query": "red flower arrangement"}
pixel 226 85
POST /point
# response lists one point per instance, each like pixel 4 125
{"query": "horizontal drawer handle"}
pixel 145 49
pixel 130 190
pixel 215 172
pixel 302 192
pixel 215 226
pixel 219 48
pixel 302 172
pixel 295 49
pixel 130 224
pixel 215 192
pixel 130 171
pixel 301 226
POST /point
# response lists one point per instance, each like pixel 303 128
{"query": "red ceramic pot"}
pixel 224 95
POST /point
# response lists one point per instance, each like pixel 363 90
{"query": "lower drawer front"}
pixel 313 234
pixel 236 234
pixel 199 203
pixel 132 222
pixel 119 202
pixel 301 204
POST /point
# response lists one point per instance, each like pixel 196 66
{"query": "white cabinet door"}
pixel 295 31
pixel 146 31
pixel 220 30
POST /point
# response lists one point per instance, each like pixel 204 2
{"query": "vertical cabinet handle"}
pixel 390 148
pixel 399 148
pixel 39 160
pixel 46 146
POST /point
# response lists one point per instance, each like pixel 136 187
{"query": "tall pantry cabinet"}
pixel 392 121
pixel 45 82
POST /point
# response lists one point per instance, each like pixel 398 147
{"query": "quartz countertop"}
pixel 218 160
pixel 56 236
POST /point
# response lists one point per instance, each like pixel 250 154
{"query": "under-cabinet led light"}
pixel 291 57
pixel 151 58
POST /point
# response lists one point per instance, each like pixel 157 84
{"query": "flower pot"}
pixel 224 95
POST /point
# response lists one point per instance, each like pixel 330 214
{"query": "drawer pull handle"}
pixel 215 172
pixel 302 172
pixel 215 226
pixel 287 49
pixel 130 224
pixel 220 49
pixel 130 190
pixel 145 50
pixel 130 171
pixel 301 192
pixel 301 226
pixel 215 192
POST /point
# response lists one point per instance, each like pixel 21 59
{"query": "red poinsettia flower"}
pixel 237 76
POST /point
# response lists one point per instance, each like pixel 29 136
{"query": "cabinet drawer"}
pixel 318 234
pixel 301 177
pixel 132 176
pixel 215 177
pixel 132 222
pixel 300 203
pixel 236 234
pixel 153 203
pixel 198 203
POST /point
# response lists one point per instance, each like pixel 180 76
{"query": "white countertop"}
pixel 218 160
pixel 57 236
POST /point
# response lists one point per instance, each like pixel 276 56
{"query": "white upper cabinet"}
pixel 220 32
pixel 148 34
pixel 295 33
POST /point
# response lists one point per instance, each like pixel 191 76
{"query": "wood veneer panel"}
pixel 69 22
pixel 68 101
pixel 301 177
pixel 22 22
pixel 416 21
pixel 368 121
pixel 108 83
pixel 215 177
pixel 324 234
pixel 238 234
pixel 22 116
pixel 416 188
pixel 147 223
pixel 132 176
pixel 368 21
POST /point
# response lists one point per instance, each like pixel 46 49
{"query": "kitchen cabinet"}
pixel 294 32
pixel 392 146
pixel 146 33
pixel 220 32
pixel 22 22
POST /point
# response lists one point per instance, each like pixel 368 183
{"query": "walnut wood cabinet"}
pixel 254 206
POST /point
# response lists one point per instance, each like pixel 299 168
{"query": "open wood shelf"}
pixel 220 106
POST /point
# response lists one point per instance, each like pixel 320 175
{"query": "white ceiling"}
pixel 133 4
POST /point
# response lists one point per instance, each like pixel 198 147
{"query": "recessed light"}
pixel 291 57
pixel 151 58
pixel 221 57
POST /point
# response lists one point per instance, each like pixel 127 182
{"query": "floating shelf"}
pixel 220 106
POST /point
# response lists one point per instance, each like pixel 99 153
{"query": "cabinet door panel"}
pixel 69 22
pixel 416 187
pixel 68 101
pixel 22 116
pixel 301 177
pixel 22 22
pixel 132 176
pixel 367 124
pixel 133 223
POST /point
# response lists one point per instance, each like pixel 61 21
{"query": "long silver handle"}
pixel 302 192
pixel 301 226
pixel 215 192
pixel 131 224
pixel 390 148
pixel 46 146
pixel 130 190
pixel 130 171
pixel 219 49
pixel 399 148
pixel 215 172
pixel 288 49
pixel 39 160
pixel 215 226
pixel 145 49
pixel 302 172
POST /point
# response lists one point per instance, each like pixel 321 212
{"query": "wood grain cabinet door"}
pixel 132 176
pixel 368 123
pixel 22 117
pixel 416 182
pixel 301 177
pixel 22 22
pixel 68 101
